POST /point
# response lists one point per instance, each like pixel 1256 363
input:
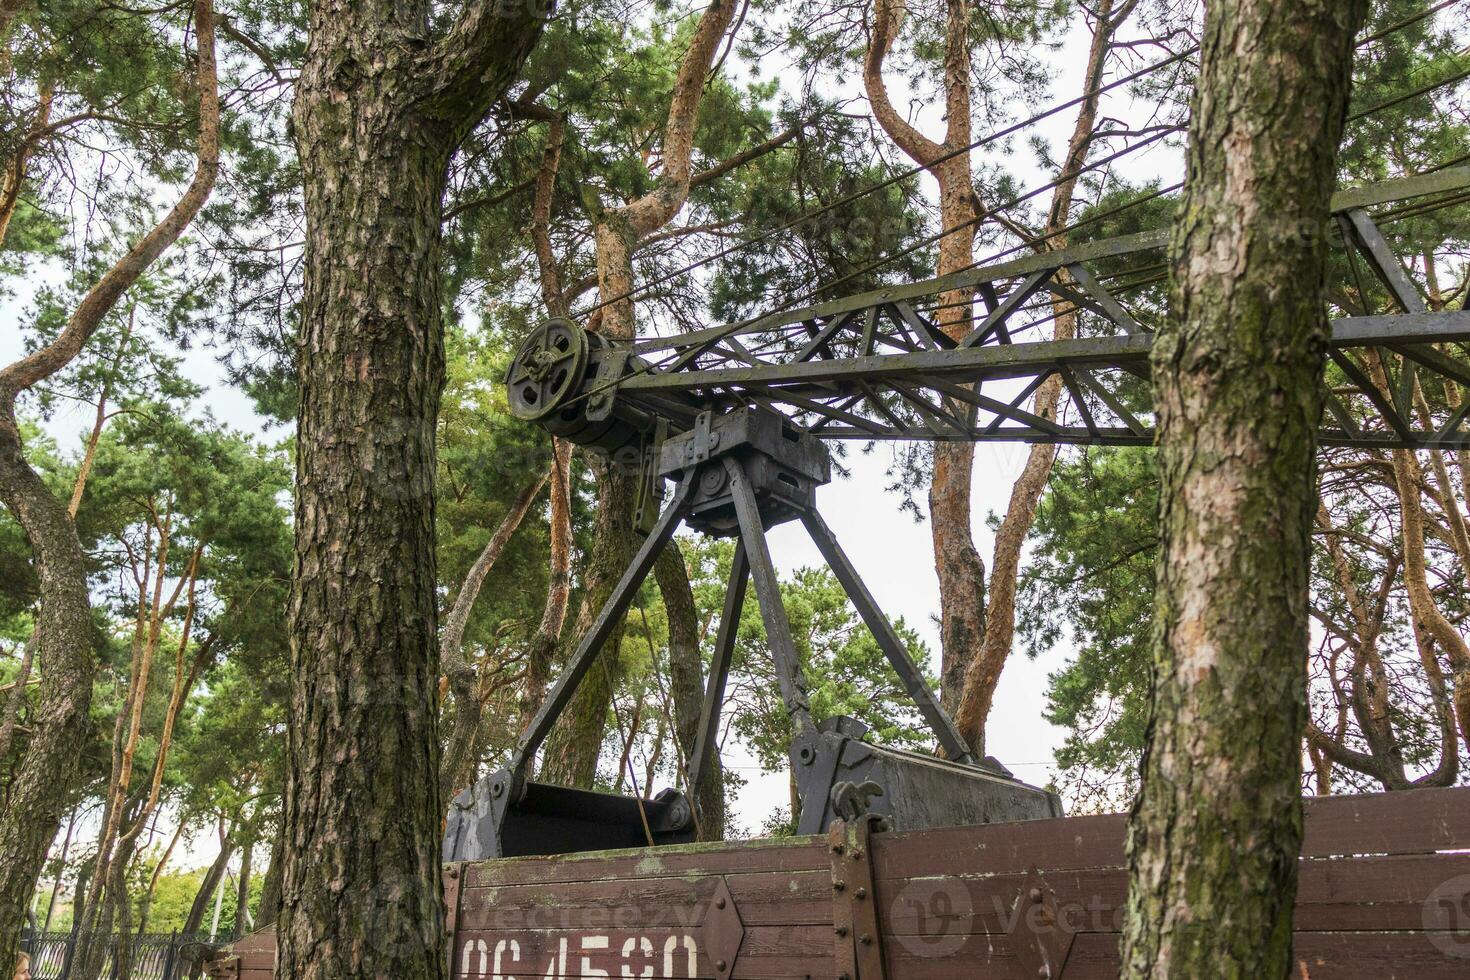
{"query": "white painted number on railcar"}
pixel 589 956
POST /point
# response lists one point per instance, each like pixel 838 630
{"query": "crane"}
pixel 738 417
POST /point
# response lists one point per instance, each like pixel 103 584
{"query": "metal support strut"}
pixel 739 475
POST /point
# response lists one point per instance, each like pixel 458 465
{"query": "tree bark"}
pixel 242 890
pixel 64 633
pixel 572 751
pixel 558 587
pixel 270 889
pixel 957 562
pixel 14 178
pixel 1216 829
pixel 380 109
pixel 1428 618
pixel 205 895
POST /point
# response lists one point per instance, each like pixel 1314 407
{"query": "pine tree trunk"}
pixel 63 642
pixel 982 675
pixel 242 890
pixel 459 761
pixel 957 562
pixel 542 648
pixel 379 111
pixel 199 908
pixel 1216 830
pixel 362 796
pixel 270 890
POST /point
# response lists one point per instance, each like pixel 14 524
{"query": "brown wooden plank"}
pixel 1381 956
pixel 936 909
pixel 1064 844
pixel 762 898
pixel 1408 822
pixel 260 939
pixel 259 960
pixel 784 854
pixel 1094 956
pixel 1379 893
pixel 1415 821
pixel 1375 893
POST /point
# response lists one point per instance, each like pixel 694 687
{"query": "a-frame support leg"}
pixel 719 672
pixel 611 614
pixel 954 744
pixel 768 593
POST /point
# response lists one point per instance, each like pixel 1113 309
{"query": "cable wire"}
pixel 770 233
pixel 891 181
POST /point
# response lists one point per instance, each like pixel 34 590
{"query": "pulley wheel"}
pixel 547 370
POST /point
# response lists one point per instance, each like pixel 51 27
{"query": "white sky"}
pixel 891 550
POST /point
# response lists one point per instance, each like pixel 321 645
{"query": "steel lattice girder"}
pixel 877 366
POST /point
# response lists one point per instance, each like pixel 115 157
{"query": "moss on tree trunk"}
pixel 1238 371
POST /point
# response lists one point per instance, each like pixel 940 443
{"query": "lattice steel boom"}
pixel 877 365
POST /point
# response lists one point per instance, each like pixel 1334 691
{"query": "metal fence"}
pixel 156 956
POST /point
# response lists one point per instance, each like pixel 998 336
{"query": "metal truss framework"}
pixel 877 365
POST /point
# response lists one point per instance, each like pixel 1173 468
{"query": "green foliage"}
pixel 1090 584
pixel 174 896
pixel 846 671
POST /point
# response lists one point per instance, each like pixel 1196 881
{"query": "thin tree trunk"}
pixel 572 752
pixel 1216 830
pixel 64 632
pixel 542 650
pixel 115 839
pixel 15 175
pixel 270 889
pixel 71 826
pixel 957 562
pixel 99 421
pixel 207 888
pixel 983 672
pixel 1408 478
pixel 558 587
pixel 242 890
pixel 463 680
pixel 379 112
